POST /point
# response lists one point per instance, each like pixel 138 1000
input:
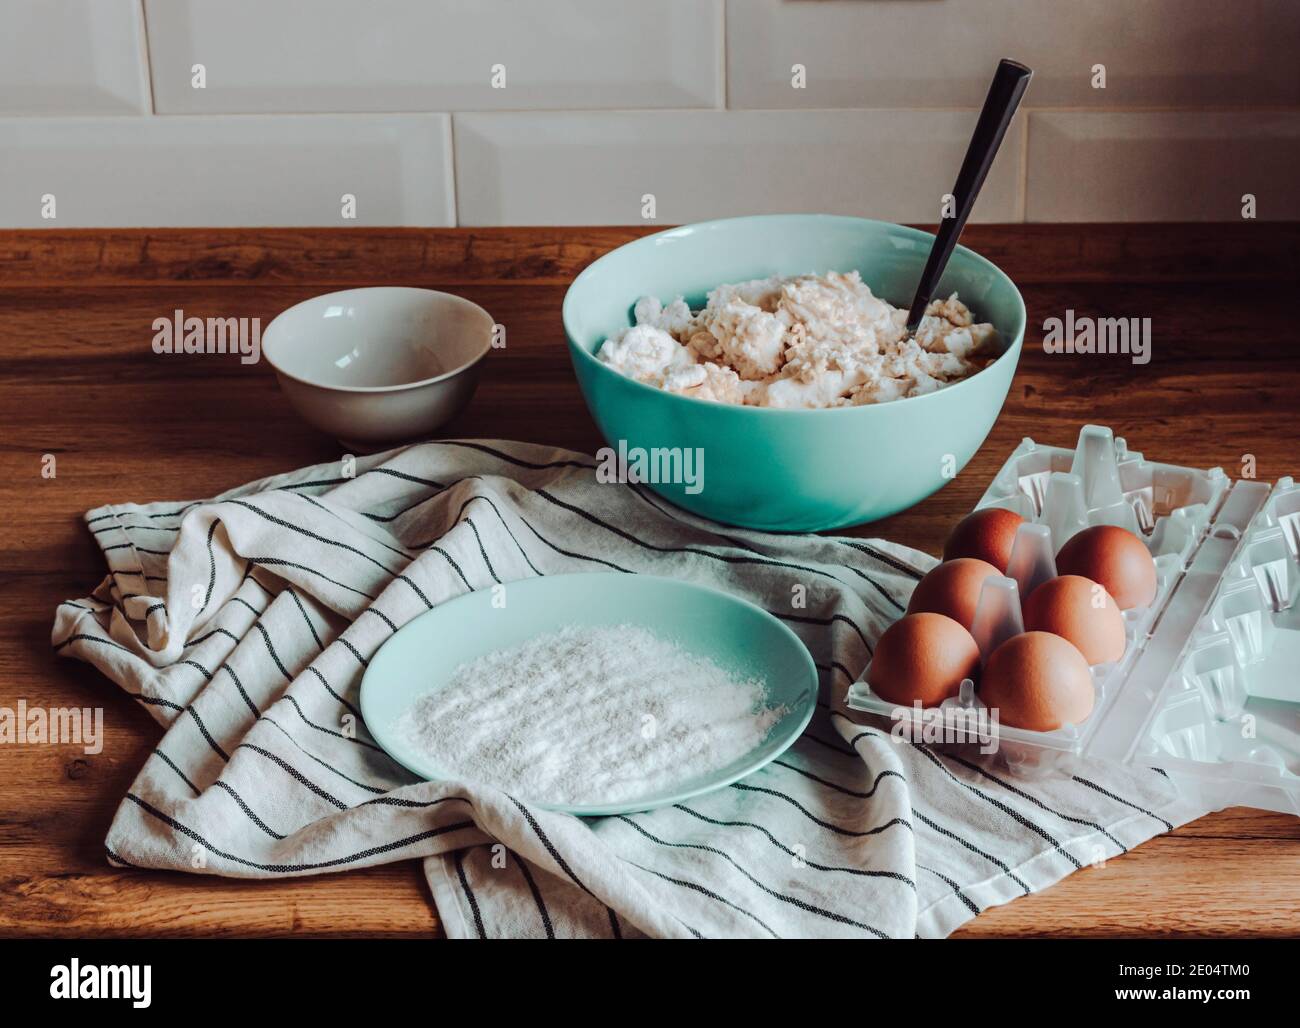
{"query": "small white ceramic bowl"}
pixel 381 366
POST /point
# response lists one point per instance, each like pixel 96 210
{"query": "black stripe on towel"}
pixel 175 767
pixel 818 821
pixel 420 592
pixel 139 528
pixel 330 689
pixel 808 619
pixel 1120 799
pixel 155 701
pixel 537 894
pixel 856 794
pixel 956 889
pixel 841 750
pixel 400 801
pixel 878 587
pixel 373 789
pixel 1015 815
pixel 438 549
pixel 550 848
pixel 248 811
pixel 511 459
pixel 935 826
pixel 303 610
pixel 82 606
pixel 388 519
pixel 722 557
pixel 382 617
pixel 208 635
pixel 740 544
pixel 577 556
pixel 406 477
pixel 939 829
pixel 792 900
pixel 243 602
pixel 884 558
pixel 1035 801
pixel 79 636
pixel 206 734
pixel 343 521
pixel 857 871
pixel 365 854
pixel 835 665
pixel 294 773
pixel 316 482
pixel 496 510
pixel 483 550
pixel 354 651
pixel 312 535
pixel 705 892
pixel 459 859
pixel 117 859
pixel 277 562
pixel 212 567
pixel 197 666
pixel 248 700
pixel 174 513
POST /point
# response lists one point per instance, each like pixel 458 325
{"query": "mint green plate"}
pixel 731 632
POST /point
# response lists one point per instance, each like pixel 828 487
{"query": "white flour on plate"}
pixel 588 715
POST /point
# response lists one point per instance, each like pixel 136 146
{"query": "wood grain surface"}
pixel 80 381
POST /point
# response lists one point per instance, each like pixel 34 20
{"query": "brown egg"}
pixel 1080 611
pixel 1037 680
pixel 952 588
pixel 922 657
pixel 1116 558
pixel 985 534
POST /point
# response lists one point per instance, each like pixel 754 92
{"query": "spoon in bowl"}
pixel 1009 83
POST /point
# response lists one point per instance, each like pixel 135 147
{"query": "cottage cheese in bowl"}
pixel 802 342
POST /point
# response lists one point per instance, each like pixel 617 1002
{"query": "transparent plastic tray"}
pixel 1209 685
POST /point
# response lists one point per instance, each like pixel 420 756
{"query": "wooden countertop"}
pixel 79 381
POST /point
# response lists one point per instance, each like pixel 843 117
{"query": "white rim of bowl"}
pixel 401 386
pixel 791 412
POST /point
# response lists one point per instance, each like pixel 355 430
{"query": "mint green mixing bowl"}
pixel 791 470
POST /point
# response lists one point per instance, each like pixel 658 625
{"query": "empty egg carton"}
pixel 1102 482
pixel 1253 621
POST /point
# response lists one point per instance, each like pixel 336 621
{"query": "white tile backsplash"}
pixel 595 167
pixel 217 171
pixel 930 53
pixel 605 101
pixel 1162 165
pixel 434 55
pixel 72 57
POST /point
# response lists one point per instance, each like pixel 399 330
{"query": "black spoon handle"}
pixel 1009 83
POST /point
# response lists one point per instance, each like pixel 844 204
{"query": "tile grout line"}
pixel 1023 206
pixel 723 90
pixel 554 111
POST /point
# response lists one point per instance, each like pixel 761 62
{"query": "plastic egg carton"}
pixel 1102 482
pixel 1209 685
pixel 1227 719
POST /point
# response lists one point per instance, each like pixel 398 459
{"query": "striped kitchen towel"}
pixel 244 624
